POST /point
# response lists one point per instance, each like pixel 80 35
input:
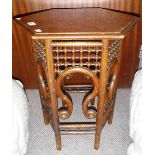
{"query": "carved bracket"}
pixel 42 80
pixel 43 88
pixel 66 110
pixel 111 85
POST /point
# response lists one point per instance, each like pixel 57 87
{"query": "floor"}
pixel 114 138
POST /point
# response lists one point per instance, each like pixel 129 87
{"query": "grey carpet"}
pixel 114 138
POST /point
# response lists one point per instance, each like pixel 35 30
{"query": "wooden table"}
pixel 83 41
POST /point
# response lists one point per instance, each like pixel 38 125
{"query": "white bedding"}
pixel 19 119
pixel 135 115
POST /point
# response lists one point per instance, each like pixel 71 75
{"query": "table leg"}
pixel 58 141
pixel 112 112
pixel 102 93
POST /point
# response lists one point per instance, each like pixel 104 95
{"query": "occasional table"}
pixel 84 41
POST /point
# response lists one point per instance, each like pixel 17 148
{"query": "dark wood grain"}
pixel 22 57
pixel 25 71
pixel 78 21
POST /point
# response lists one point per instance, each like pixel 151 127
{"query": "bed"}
pixel 19 119
pixel 135 148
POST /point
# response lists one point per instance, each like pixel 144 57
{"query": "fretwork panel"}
pixel 73 54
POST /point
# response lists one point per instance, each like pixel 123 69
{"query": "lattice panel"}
pixel 72 54
pixel 39 50
pixel 113 51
